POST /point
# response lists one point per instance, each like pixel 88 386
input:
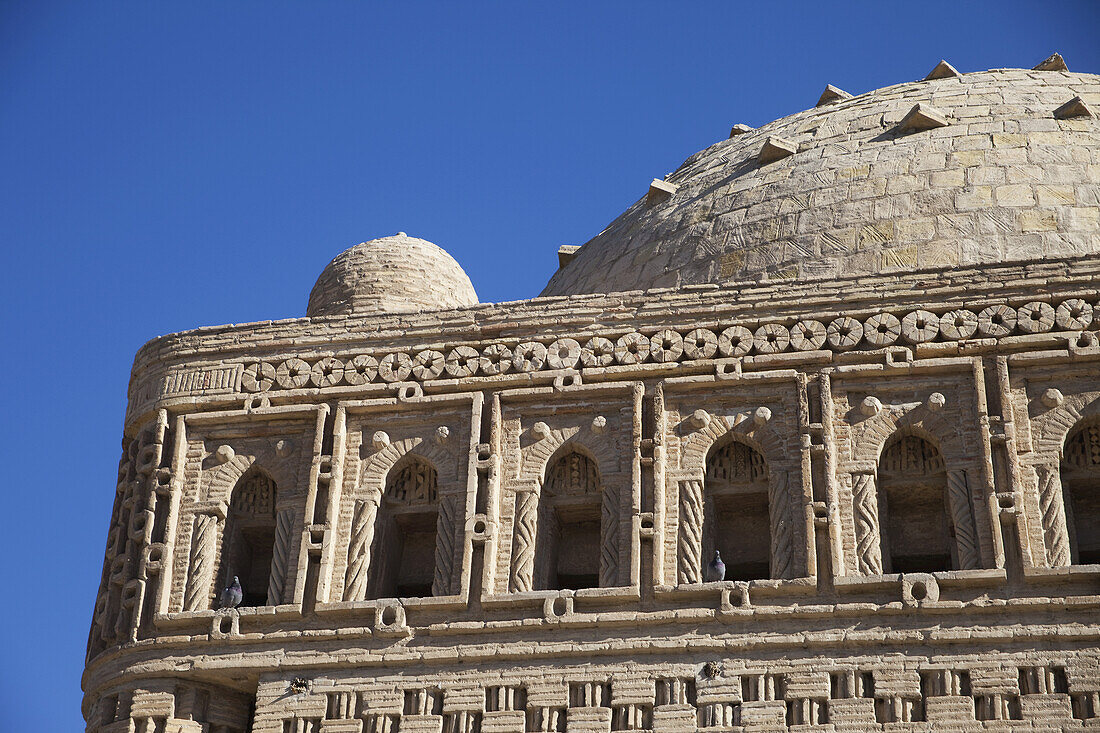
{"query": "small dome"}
pixel 1001 168
pixel 398 274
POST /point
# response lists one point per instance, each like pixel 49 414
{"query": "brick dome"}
pixel 996 166
pixel 397 274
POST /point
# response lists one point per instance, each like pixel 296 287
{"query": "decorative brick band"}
pixel 667 346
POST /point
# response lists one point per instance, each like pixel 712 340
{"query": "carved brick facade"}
pixel 499 517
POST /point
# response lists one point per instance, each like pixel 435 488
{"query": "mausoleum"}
pixel 855 352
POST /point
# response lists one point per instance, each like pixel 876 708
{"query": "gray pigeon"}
pixel 716 569
pixel 232 595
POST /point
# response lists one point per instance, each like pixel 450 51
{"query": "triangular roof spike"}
pixel 776 148
pixel 740 129
pixel 922 117
pixel 943 70
pixel 1054 62
pixel 1075 107
pixel 832 94
pixel 659 191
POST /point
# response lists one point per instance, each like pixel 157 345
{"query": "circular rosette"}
pixel 530 356
pixel 920 327
pixel 958 324
pixel 563 354
pixel 844 333
pixel 735 341
pixel 463 361
pixel 1073 315
pixel 771 338
pixel 495 359
pixel 327 372
pixel 258 377
pixel 598 352
pixel 428 364
pixel 360 370
pixel 632 348
pixel 700 343
pixel 293 373
pixel 997 320
pixel 808 335
pixel 395 367
pixel 666 346
pixel 1036 317
pixel 882 329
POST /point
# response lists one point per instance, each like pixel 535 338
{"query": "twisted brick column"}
pixel 609 548
pixel 782 545
pixel 280 558
pixel 523 540
pixel 445 545
pixel 962 518
pixel 868 540
pixel 1055 531
pixel 690 535
pixel 201 562
pixel 362 535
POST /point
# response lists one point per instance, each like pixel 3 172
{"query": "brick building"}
pixel 854 351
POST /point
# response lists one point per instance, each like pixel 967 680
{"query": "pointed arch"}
pixel 1058 423
pixel 1055 431
pixel 698 445
pixel 886 472
pixel 876 431
pixel 373 545
pixel 223 477
pixel 537 456
pixel 572 469
pixel 377 467
pixel 543 503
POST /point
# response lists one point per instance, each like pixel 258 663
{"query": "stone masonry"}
pixel 856 352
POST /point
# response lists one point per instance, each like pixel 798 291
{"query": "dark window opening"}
pixel 914 518
pixel 569 544
pixel 1081 494
pixel 249 540
pixel 737 519
pixel 405 538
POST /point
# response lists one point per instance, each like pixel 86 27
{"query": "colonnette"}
pixel 855 350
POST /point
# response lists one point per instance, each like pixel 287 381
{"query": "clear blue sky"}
pixel 170 166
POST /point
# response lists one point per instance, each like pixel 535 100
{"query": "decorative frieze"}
pixel 667 346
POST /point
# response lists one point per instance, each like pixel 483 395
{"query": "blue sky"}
pixel 167 166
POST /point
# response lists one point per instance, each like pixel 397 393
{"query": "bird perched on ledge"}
pixel 716 569
pixel 232 595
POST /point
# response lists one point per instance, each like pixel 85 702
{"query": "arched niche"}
pixel 1080 477
pixel 577 522
pixel 915 517
pixel 248 542
pixel 404 549
pixel 737 512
